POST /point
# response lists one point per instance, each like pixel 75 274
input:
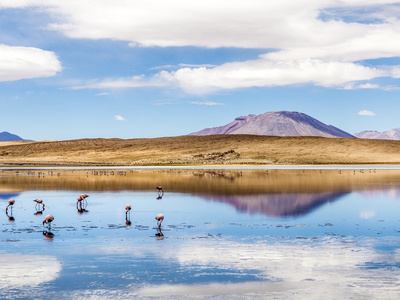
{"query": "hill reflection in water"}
pixel 279 204
pixel 270 192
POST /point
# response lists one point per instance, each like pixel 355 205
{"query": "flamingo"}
pixel 159 218
pixel 160 189
pixel 10 203
pixel 48 219
pixel 82 197
pixel 128 208
pixel 39 202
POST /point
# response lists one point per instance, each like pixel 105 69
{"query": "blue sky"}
pixel 150 68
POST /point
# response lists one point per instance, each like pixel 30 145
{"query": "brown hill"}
pixel 215 149
pixel 277 123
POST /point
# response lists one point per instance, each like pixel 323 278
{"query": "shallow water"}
pixel 238 234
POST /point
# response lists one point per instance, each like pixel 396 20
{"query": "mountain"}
pixel 393 134
pixel 277 123
pixel 6 136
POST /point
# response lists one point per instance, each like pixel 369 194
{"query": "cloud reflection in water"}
pixel 27 271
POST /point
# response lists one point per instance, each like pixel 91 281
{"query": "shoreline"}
pixel 215 167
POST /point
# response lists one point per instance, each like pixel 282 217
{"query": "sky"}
pixel 72 69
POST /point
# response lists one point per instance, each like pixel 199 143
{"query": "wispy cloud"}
pixel 158 80
pixel 102 94
pixel 119 118
pixel 211 103
pixel 166 102
pixel 178 66
pixel 366 113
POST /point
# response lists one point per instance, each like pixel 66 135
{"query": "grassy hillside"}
pixel 216 149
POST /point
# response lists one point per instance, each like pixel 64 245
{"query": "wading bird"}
pixel 81 204
pixel 82 197
pixel 160 189
pixel 159 218
pixel 39 204
pixel 128 208
pixel 10 203
pixel 48 219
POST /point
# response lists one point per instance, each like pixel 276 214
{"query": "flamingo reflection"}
pixel 159 234
pixel 10 216
pixel 48 235
pixel 81 210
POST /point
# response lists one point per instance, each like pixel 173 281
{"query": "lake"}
pixel 227 233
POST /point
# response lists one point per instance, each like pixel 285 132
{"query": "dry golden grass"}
pixel 217 149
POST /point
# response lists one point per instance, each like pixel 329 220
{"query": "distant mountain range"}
pixel 393 134
pixel 277 123
pixel 6 137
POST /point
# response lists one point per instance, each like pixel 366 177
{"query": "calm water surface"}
pixel 237 234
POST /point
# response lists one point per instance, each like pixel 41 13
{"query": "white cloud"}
pixel 158 80
pixel 207 102
pixel 119 118
pixel 178 66
pixel 366 113
pixel 317 42
pixel 102 94
pixel 259 73
pixel 25 63
pixel 166 102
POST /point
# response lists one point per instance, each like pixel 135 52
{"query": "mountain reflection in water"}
pixel 228 234
pixel 270 192
pixel 279 204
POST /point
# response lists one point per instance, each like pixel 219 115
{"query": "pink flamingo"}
pixel 82 197
pixel 160 189
pixel 10 203
pixel 39 202
pixel 159 218
pixel 128 208
pixel 48 219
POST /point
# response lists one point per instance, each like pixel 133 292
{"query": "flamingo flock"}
pixel 81 206
pixel 159 217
